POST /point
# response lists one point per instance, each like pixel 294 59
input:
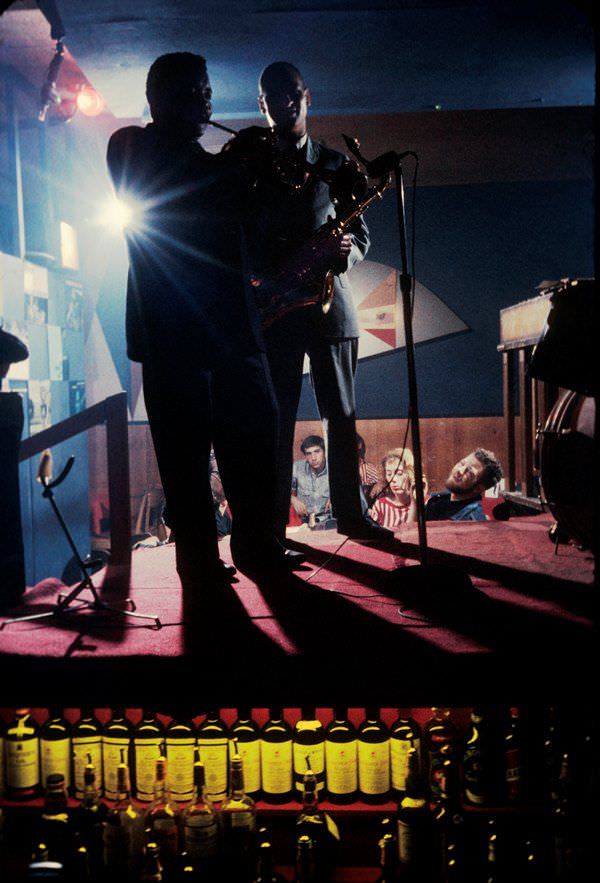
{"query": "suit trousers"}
pixel 232 407
pixel 332 367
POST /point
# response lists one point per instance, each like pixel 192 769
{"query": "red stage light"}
pixel 89 102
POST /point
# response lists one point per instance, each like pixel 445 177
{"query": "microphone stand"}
pixel 63 600
pixel 425 584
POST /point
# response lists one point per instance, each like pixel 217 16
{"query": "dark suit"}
pixel 195 330
pixel 282 215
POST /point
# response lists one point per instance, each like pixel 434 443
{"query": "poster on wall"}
pixel 19 370
pixel 56 362
pixel 39 405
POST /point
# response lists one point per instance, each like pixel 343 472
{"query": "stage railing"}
pixel 112 412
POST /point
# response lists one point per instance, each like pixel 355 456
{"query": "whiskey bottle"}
pixel 414 824
pixel 162 820
pixel 247 736
pixel 22 756
pixel 309 750
pixel 116 743
pixel 55 747
pixel 341 758
pixel 448 821
pixel 318 826
pixel 213 746
pixel 276 758
pixel 89 819
pixel 305 871
pixel 405 733
pixel 513 757
pixel 439 731
pixel 238 818
pixel 86 741
pixel 373 759
pixel 148 740
pixel 266 865
pixel 199 824
pixel 123 834
pixel 388 860
pixel 42 868
pixel 54 827
pixel 152 871
pixel 180 745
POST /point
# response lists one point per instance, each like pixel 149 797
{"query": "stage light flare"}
pixel 89 102
pixel 119 214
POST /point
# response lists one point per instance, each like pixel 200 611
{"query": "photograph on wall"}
pixel 40 413
pixel 36 309
pixel 74 307
pixel 55 353
pixel 76 396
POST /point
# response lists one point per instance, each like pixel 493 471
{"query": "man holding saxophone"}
pixel 286 211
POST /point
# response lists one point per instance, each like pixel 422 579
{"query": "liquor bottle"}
pixel 309 750
pixel 238 819
pixel 388 860
pixel 148 738
pixel 373 759
pixel 54 826
pixel 180 746
pixel 22 756
pixel 305 871
pixel 448 821
pixel 199 825
pixel 414 824
pixel 55 747
pixel 439 730
pixel 513 757
pixel 276 758
pixel 89 819
pixel 476 762
pixel 162 819
pixel 41 868
pixel 266 865
pixel 86 740
pixel 213 745
pixel 153 869
pixel 318 826
pixel 491 872
pixel 341 758
pixel 246 734
pixel 123 834
pixel 117 734
pixel 405 733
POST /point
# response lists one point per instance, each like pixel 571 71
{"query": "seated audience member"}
pixel 395 504
pixel 310 482
pixel 467 482
pixel 366 470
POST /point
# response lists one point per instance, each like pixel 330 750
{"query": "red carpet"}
pixel 530 611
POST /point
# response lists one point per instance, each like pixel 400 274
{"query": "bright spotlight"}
pixel 117 214
pixel 89 102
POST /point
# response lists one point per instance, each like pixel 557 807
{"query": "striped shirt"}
pixel 388 513
pixel 368 473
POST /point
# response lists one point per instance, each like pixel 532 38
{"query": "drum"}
pixel 567 464
pixel 565 354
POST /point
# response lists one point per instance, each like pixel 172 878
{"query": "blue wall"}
pixel 479 248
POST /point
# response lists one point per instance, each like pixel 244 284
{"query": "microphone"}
pixel 49 94
pixel 45 468
pixel 379 166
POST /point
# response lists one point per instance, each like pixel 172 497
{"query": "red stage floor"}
pixel 340 621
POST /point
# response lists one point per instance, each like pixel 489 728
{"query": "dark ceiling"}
pixel 357 56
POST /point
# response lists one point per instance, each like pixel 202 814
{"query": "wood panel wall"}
pixel 444 441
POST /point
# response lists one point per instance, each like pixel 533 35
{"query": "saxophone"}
pixel 303 277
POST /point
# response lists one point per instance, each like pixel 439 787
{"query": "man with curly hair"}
pixel 465 486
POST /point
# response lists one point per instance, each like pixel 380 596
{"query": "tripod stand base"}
pixel 63 602
pixel 433 589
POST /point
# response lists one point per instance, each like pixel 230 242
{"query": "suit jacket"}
pixel 282 215
pixel 186 298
